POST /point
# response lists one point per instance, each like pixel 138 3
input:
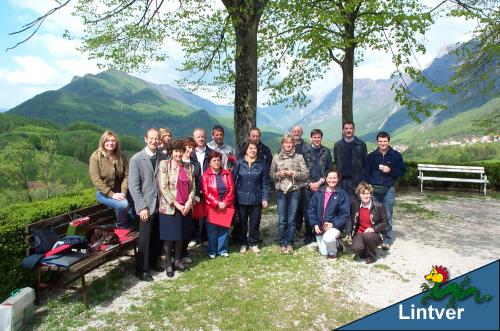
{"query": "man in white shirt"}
pixel 200 161
pixel 217 144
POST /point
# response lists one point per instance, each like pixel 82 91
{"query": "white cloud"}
pixel 39 7
pixel 33 71
pixel 59 47
pixel 77 67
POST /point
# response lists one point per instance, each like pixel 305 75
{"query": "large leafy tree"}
pixel 220 43
pixel 306 36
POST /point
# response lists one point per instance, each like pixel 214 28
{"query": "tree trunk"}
pixel 347 84
pixel 245 16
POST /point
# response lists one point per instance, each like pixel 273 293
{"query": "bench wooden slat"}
pixel 439 166
pixel 462 180
pixel 99 256
pixel 68 217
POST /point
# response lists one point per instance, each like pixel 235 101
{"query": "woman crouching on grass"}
pixel 328 214
pixel 218 191
pixel 108 169
pixel 369 220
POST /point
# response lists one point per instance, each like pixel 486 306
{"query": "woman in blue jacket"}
pixel 328 212
pixel 251 183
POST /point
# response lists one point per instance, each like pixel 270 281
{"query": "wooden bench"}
pixel 99 215
pixel 483 180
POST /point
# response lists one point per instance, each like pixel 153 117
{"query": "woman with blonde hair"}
pixel 369 221
pixel 108 169
pixel 290 173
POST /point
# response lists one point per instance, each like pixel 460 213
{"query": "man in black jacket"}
pixel 264 151
pixel 349 156
pixel 383 167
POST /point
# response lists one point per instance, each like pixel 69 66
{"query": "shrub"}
pixel 13 221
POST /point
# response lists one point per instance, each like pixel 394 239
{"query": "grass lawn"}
pixel 243 292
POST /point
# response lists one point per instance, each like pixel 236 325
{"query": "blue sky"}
pixel 48 62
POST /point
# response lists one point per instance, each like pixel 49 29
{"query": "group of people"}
pixel 188 191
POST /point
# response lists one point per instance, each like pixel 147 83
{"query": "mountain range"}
pixel 128 105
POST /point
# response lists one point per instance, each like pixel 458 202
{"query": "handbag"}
pixel 43 240
pixel 200 210
pixel 379 192
pixel 102 236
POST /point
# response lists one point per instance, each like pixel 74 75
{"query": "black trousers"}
pixel 349 186
pixel 149 245
pixel 306 195
pixel 299 216
pixel 249 214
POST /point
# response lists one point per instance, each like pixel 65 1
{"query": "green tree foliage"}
pixel 47 164
pixel 304 37
pixel 16 165
pixel 478 61
pixel 479 64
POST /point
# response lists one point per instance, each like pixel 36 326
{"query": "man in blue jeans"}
pixel 383 167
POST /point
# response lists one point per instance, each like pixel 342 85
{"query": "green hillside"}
pixel 75 143
pixel 456 127
pixel 76 140
pixel 115 100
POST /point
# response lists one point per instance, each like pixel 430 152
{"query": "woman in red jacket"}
pixel 218 191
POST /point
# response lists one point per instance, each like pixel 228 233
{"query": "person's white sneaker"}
pixel 243 249
pixel 225 254
pixel 255 249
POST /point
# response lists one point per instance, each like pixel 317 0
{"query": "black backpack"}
pixel 43 240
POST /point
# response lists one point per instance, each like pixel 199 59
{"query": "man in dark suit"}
pixel 265 154
pixel 143 169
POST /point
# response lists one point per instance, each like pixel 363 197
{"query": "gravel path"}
pixel 459 233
